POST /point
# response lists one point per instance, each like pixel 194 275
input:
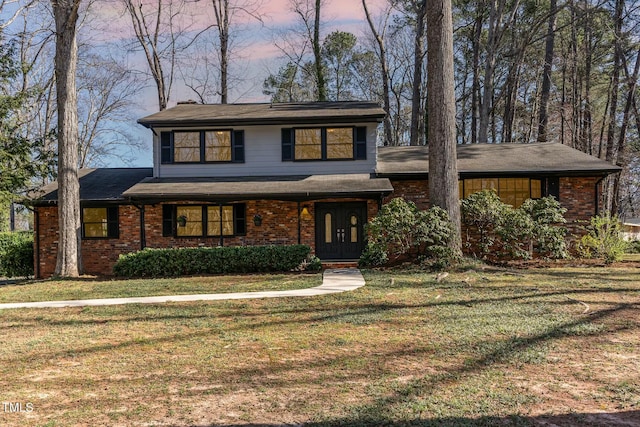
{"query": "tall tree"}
pixel 381 52
pixel 441 108
pixel 66 17
pixel 417 112
pixel 543 117
pixel 309 13
pixel 224 12
pixel 162 31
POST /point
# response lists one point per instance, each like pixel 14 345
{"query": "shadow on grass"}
pixel 604 419
pixel 14 282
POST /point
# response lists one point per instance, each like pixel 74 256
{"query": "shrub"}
pixel 482 212
pixel 548 233
pixel 16 254
pixel 400 229
pixel 633 247
pixel 603 239
pixel 495 228
pixel 218 260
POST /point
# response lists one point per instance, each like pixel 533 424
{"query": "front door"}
pixel 339 230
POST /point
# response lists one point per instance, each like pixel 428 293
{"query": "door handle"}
pixel 340 233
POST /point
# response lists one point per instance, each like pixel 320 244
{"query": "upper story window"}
pixel 324 143
pixel 205 146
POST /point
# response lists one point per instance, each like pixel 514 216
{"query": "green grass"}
pixel 56 290
pixel 480 347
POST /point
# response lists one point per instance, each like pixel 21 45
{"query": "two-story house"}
pixel 310 173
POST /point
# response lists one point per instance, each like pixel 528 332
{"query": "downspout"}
pixel 221 225
pixel 36 242
pixel 299 225
pixel 143 233
pixel 597 195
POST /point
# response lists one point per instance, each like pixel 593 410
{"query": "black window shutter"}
pixel 237 143
pixel 287 145
pixel 240 216
pixel 361 143
pixel 113 226
pixel 168 213
pixel 166 148
pixel 553 187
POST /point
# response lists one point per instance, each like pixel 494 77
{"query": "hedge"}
pixel 16 254
pixel 207 260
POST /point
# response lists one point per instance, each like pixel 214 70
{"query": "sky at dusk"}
pixel 258 55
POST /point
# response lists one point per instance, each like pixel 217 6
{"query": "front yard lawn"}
pixel 483 347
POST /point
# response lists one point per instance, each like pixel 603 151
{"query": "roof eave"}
pixel 361 118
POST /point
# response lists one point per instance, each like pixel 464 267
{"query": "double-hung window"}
pixel 100 223
pixel 204 220
pixel 324 143
pixel 203 146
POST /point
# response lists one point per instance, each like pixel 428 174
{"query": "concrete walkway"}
pixel 333 281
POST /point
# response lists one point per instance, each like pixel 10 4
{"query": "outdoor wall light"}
pixel 257 220
pixel 304 214
pixel 182 221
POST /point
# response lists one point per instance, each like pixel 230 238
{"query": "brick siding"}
pixel 279 226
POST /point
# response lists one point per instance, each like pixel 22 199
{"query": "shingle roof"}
pixel 259 114
pixel 537 158
pixel 269 187
pixel 104 185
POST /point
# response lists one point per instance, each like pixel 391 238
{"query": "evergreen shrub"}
pixel 16 254
pixel 402 231
pixel 211 260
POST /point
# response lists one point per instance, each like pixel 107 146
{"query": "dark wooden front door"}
pixel 339 230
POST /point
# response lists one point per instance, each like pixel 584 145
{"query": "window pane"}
pixel 186 146
pixel 193 215
pixel 94 215
pixel 94 222
pixel 339 143
pixel 328 228
pixel 217 146
pixel 536 188
pixel 354 229
pixel 213 220
pixel 308 144
pixel 227 220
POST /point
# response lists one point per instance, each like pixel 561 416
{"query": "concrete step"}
pixel 336 264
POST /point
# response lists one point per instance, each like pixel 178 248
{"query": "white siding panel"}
pixel 263 157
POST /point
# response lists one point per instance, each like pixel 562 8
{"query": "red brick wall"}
pixel 578 195
pixel 416 191
pixel 279 226
pixel 98 255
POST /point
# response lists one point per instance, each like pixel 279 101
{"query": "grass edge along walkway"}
pixel 333 281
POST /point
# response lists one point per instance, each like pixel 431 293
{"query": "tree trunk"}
pixel 441 107
pixel 322 86
pixel 489 67
pixel 543 117
pixel 221 11
pixel 611 152
pixel 416 137
pixel 384 70
pixel 66 58
pixel 476 99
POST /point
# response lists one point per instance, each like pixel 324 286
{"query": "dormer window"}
pixel 205 146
